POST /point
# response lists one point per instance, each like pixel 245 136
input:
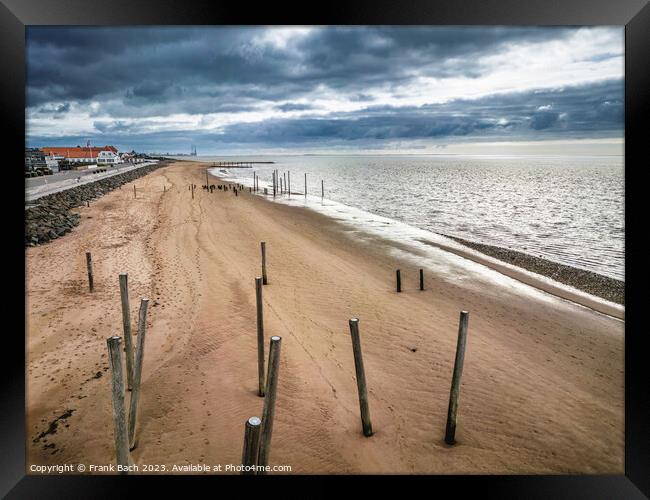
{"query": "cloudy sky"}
pixel 231 90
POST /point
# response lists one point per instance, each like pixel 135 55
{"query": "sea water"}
pixel 566 209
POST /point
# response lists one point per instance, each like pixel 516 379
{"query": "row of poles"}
pixel 124 423
pixel 281 184
pixel 258 431
pixel 362 388
pixel 125 434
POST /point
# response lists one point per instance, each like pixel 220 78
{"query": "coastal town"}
pixel 50 160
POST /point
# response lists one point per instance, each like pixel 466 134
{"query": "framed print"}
pixel 366 244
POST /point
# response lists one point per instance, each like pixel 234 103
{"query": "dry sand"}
pixel 542 387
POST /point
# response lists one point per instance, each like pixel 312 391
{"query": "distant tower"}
pixel 193 150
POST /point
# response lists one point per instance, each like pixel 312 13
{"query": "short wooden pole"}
pixel 361 377
pixel 260 336
pixel 421 279
pixel 269 402
pixel 126 324
pixel 164 188
pixel 264 278
pixel 89 268
pixel 134 192
pixel 251 444
pixel 450 433
pixel 119 412
pixel 88 204
pixel 322 188
pixel 137 372
pixel 399 281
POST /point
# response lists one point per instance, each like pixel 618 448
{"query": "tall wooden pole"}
pixel 399 280
pixel 269 402
pixel 450 432
pixel 305 184
pixel 251 444
pixel 361 378
pixel 137 373
pixel 119 412
pixel 264 279
pixel 126 325
pixel 89 268
pixel 260 336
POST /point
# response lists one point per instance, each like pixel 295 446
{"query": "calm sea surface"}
pixel 565 209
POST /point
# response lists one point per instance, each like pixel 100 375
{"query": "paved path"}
pixel 37 187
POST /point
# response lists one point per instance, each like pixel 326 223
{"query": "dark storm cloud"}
pixel 585 111
pixel 572 112
pixel 97 63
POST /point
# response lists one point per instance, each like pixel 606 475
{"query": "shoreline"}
pixel 586 288
pixel 605 287
pixel 542 382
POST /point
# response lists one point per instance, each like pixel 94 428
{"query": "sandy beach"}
pixel 542 387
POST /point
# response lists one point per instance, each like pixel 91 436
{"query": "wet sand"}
pixel 542 386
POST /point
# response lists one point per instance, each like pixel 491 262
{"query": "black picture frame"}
pixel 633 14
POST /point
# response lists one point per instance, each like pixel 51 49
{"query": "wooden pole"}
pixel 399 281
pixel 126 324
pixel 207 182
pixel 134 193
pixel 89 268
pixel 192 191
pixel 322 188
pixel 284 175
pixel 289 181
pixel 450 433
pixel 164 188
pixel 264 279
pixel 361 378
pixel 260 336
pixel 119 413
pixel 137 373
pixel 274 184
pixel 269 402
pixel 251 444
pixel 421 279
pixel 305 184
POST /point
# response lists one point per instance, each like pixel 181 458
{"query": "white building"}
pixel 108 158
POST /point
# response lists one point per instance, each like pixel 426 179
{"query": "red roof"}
pixel 75 152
